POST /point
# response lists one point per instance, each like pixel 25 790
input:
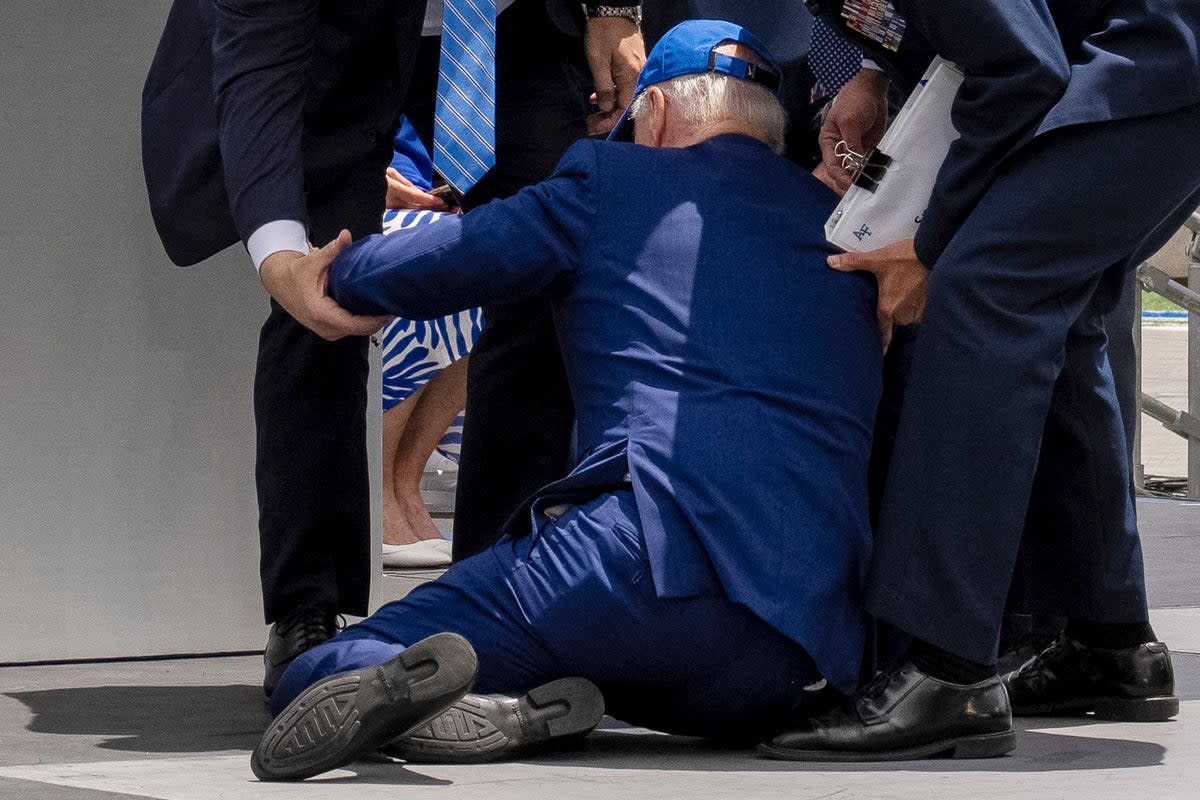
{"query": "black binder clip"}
pixel 866 171
pixel 872 170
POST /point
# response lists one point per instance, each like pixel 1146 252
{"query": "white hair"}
pixel 707 98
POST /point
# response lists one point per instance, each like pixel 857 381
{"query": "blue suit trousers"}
pixel 1012 435
pixel 576 598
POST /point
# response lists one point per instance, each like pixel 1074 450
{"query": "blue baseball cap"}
pixel 690 49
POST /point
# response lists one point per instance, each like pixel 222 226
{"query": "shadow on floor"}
pixel 152 719
pixel 382 771
pixel 1036 752
pixel 198 719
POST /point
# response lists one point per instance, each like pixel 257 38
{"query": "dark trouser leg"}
pixel 1054 505
pixel 1028 587
pixel 885 644
pixel 1077 508
pixel 1122 356
pixel 517 430
pixel 1004 300
pixel 701 666
pixel 310 412
pixel 897 364
pixel 1018 620
pixel 576 599
pixel 474 599
pixel 310 407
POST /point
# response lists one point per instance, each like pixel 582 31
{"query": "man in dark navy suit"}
pixel 270 122
pixel 517 432
pixel 701 564
pixel 1074 120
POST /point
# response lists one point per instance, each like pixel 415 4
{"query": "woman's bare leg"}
pixel 395 421
pixel 435 406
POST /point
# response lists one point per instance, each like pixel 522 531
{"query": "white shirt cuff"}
pixel 869 64
pixel 271 237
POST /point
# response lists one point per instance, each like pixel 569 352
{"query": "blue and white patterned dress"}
pixel 416 350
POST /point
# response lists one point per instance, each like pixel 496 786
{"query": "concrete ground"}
pixel 1164 375
pixel 183 729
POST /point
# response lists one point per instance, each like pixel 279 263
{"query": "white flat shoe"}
pixel 425 553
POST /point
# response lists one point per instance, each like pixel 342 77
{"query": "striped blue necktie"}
pixel 464 133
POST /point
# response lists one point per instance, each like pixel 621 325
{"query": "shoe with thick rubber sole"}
pixel 480 728
pixel 349 714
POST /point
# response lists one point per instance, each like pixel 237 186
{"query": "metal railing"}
pixel 1184 423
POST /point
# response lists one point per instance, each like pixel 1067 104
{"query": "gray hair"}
pixel 706 98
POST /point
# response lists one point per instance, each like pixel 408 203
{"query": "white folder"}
pixel 894 182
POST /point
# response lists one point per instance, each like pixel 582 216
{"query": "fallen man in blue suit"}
pixel 700 567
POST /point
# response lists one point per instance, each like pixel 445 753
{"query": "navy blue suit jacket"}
pixel 1036 66
pixel 252 108
pixel 716 363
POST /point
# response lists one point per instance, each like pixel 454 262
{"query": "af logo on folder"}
pixel 893 184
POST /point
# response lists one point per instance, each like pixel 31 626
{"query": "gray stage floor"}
pixel 182 730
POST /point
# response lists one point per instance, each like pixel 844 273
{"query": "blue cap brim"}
pixel 690 49
pixel 623 130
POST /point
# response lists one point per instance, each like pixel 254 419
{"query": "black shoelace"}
pixel 315 626
pixel 1056 644
pixel 875 687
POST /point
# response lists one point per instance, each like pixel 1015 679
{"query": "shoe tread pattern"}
pixel 484 728
pixel 322 722
pixel 562 708
pixel 465 726
pixel 344 716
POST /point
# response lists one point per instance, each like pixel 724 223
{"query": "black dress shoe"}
pixel 481 728
pixel 302 631
pixel 1069 678
pixel 905 714
pixel 347 715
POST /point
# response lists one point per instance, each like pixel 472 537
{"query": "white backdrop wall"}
pixel 127 506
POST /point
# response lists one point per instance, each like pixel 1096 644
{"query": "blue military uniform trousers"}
pixel 576 598
pixel 1011 436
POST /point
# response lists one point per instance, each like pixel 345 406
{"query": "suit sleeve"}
pixel 1015 71
pixel 261 50
pixel 522 246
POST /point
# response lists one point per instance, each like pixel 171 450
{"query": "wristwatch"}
pixel 633 13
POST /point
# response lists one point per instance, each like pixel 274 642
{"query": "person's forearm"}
pixel 448 266
pixel 403 274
